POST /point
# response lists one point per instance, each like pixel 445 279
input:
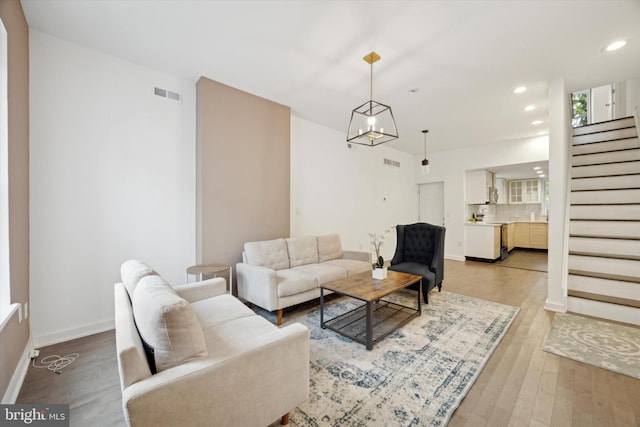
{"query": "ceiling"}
pixel 522 170
pixel 447 66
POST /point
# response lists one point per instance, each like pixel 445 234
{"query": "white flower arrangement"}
pixel 377 239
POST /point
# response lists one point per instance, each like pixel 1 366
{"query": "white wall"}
pixel 336 189
pixel 559 175
pixel 450 166
pixel 112 178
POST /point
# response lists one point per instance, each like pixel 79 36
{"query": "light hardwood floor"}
pixel 521 385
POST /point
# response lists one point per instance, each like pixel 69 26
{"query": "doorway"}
pixel 431 203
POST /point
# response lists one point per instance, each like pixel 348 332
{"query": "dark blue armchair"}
pixel 420 251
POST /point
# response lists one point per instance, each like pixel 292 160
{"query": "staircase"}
pixel 604 229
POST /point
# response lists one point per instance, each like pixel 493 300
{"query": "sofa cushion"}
pixel 220 309
pixel 267 253
pixel 167 323
pixel 352 266
pixel 293 282
pixel 302 250
pixel 324 273
pixel 237 336
pixel 131 272
pixel 329 247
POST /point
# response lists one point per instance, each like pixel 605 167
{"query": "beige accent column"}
pixel 15 335
pixel 243 171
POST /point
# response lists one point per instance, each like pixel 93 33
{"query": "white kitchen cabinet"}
pixel 482 241
pixel 524 191
pixel 502 185
pixel 479 186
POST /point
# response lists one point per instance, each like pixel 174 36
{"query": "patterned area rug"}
pixel 416 376
pixel 605 345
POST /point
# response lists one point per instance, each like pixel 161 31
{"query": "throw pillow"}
pixel 167 323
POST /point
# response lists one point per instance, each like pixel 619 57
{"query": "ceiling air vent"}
pixel 392 163
pixel 173 96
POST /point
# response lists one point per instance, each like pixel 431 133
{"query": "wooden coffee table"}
pixel 377 318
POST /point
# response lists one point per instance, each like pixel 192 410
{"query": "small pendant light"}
pixel 425 162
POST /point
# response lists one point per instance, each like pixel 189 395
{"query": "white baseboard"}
pixel 455 257
pixel 553 306
pixel 11 395
pixel 72 333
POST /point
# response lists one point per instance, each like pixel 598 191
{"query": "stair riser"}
pixel 605 183
pixel 605 247
pixel 595 285
pixel 603 310
pixel 612 157
pixel 611 212
pixel 602 147
pixel 605 136
pixel 626 168
pixel 606 266
pixel 611 229
pixel 604 197
pixel 599 127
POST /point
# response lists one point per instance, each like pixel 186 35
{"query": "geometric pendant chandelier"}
pixel 372 123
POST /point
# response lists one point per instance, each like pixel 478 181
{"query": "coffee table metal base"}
pixel 370 322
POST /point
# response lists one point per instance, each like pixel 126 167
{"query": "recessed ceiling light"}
pixel 529 108
pixel 542 132
pixel 520 89
pixel 536 122
pixel 543 176
pixel 539 172
pixel 615 45
pixel 537 168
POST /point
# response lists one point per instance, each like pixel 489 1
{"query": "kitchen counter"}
pixel 496 222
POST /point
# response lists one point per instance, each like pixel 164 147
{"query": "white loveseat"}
pixel 216 362
pixel 279 273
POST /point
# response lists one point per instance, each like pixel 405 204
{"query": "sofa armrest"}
pixel 257 285
pixel 197 291
pixel 357 255
pixel 272 376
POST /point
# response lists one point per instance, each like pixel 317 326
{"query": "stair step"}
pixel 608 135
pixel 612 248
pixel 603 147
pixel 604 298
pixel 604 310
pixel 606 229
pixel 602 126
pixel 605 197
pixel 596 285
pixel 606 183
pixel 605 212
pixel 611 169
pixel 624 269
pixel 608 157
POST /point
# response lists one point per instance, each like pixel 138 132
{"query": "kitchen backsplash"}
pixel 506 212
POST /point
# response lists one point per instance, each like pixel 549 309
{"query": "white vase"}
pixel 380 273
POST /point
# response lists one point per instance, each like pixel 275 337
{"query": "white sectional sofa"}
pixel 193 355
pixel 280 273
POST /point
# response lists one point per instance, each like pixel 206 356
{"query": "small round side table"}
pixel 211 269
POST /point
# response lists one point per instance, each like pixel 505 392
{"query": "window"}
pixel 580 108
pixel 5 288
